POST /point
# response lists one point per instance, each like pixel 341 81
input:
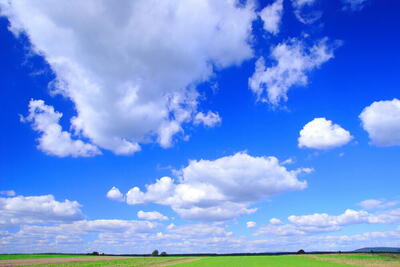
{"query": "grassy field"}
pixel 139 262
pixel 230 261
pixel 260 261
pixel 309 260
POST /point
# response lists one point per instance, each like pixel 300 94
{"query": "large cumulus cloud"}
pixel 131 68
pixel 221 189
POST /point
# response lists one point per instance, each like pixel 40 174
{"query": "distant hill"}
pixel 378 249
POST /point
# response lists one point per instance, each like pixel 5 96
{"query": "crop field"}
pixel 371 260
pixel 38 256
pixel 309 260
pixel 78 260
pixel 260 261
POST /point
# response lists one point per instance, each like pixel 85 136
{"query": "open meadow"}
pixel 308 260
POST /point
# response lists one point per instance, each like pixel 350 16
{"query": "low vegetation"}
pixel 37 256
pixel 138 262
pixel 302 260
pixel 260 261
pixel 367 260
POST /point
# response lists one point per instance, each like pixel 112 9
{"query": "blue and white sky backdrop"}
pixel 199 125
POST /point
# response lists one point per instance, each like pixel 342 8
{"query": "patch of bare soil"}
pixel 359 262
pixel 177 261
pixel 18 262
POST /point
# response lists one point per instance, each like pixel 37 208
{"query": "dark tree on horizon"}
pixel 301 251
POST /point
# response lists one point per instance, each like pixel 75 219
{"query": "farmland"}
pixel 309 260
pixel 78 260
pixel 38 256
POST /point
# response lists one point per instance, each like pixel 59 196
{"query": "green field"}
pixel 231 261
pixel 259 261
pixel 139 262
pixel 309 260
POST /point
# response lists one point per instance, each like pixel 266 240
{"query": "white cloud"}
pixel 323 219
pixel 76 236
pixel 382 122
pixel 288 161
pixel 197 237
pixel 8 193
pixel 210 119
pixel 370 204
pixel 53 140
pixel 162 189
pixel 348 217
pixel 354 4
pixel 330 242
pixel 221 189
pixel 151 216
pixel 142 238
pixel 305 12
pixel 294 59
pixel 271 16
pixel 131 68
pixel 251 224
pixel 120 236
pixel 115 194
pixel 279 230
pixel 217 211
pixel 41 223
pixel 306 225
pixel 200 230
pixel 321 133
pixel 275 221
pixel 112 226
pixel 170 226
pixel 37 209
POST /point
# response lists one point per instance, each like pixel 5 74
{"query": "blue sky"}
pixel 96 97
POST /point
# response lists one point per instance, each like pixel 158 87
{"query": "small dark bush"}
pixel 301 251
pixel 163 253
pixel 95 253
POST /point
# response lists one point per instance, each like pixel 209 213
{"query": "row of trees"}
pixel 155 253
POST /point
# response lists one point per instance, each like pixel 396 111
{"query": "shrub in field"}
pixel 154 253
pixel 301 251
pixel 163 253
